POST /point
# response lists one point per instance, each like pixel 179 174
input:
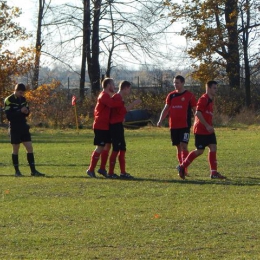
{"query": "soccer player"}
pixel 117 132
pixel 204 133
pixel 102 138
pixel 16 110
pixel 180 104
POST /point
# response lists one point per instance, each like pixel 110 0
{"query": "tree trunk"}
pixel 245 39
pixel 95 48
pixel 86 55
pixel 38 46
pixel 233 65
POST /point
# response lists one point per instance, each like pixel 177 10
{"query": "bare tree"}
pixel 249 33
pixel 42 10
pixel 102 29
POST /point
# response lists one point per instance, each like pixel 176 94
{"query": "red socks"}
pixel 112 161
pixel 104 157
pixel 189 159
pixel 94 160
pixel 184 154
pixel 212 158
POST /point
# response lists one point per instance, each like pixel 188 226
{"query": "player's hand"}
pixel 137 102
pixel 210 129
pixel 24 110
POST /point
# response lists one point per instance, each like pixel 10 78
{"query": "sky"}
pixel 28 20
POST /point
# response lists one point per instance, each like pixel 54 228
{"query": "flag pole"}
pixel 73 102
pixel 76 116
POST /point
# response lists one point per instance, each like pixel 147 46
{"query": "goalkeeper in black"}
pixel 16 110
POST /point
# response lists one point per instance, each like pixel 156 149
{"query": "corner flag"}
pixel 73 101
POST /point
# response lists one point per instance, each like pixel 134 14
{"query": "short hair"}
pixel 210 83
pixel 124 84
pixel 181 78
pixel 20 87
pixel 106 81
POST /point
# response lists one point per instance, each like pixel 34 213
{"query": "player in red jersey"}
pixel 117 132
pixel 204 133
pixel 102 138
pixel 180 104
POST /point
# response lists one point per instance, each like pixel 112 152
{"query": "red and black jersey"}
pixel 205 106
pixel 180 105
pixel 102 110
pixel 117 114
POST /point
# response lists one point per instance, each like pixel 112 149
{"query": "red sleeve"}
pixel 168 99
pixel 202 102
pixel 109 102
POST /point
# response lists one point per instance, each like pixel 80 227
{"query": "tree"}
pixel 98 28
pixel 212 27
pixel 12 63
pixel 222 33
pixel 38 45
pixel 249 33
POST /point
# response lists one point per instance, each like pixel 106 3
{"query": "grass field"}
pixel 67 215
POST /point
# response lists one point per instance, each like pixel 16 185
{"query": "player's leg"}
pixel 176 142
pixel 94 160
pixel 30 158
pixel 99 141
pixel 212 158
pixel 199 143
pixel 115 137
pixel 15 159
pixel 15 141
pixel 104 158
pixel 178 150
pixel 184 140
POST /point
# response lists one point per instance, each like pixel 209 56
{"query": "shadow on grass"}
pixel 238 181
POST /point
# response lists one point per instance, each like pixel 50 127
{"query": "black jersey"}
pixel 13 112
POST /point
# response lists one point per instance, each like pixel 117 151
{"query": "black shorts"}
pixel 20 135
pixel 118 137
pixel 201 141
pixel 181 135
pixel 102 137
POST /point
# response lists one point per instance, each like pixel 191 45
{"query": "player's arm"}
pixel 111 103
pixel 204 122
pixel 25 109
pixel 164 113
pixel 133 104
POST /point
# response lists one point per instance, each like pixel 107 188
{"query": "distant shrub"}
pixel 51 106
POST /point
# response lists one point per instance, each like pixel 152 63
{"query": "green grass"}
pixel 156 216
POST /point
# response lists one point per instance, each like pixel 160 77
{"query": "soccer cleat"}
pixel 37 174
pixel 112 176
pixel 102 172
pixel 181 171
pixel 126 176
pixel 91 174
pixel 217 175
pixel 18 174
pixel 186 172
